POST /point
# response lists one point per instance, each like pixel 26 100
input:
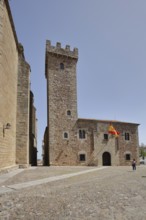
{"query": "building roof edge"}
pixel 106 121
pixel 12 23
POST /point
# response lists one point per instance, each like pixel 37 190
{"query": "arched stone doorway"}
pixel 106 159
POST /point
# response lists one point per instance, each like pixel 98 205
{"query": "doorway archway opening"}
pixel 106 159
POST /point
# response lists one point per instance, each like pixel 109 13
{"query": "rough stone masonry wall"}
pixel 101 145
pixel 131 146
pixel 85 146
pixel 94 145
pixel 117 147
pixel 8 88
pixel 23 97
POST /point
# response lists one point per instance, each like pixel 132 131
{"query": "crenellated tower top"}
pixel 61 51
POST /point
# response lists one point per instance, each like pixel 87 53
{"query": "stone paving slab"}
pixel 37 173
pixel 8 188
pixel 114 193
pixel 5 177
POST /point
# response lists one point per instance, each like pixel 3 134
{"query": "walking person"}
pixel 134 164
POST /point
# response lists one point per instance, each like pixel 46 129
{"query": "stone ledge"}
pixel 22 166
pixel 8 169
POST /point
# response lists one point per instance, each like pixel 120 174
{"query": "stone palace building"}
pixel 69 140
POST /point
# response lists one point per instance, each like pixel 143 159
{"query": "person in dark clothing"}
pixel 134 164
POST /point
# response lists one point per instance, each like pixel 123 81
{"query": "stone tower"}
pixel 61 100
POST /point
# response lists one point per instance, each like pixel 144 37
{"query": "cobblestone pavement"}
pixel 113 193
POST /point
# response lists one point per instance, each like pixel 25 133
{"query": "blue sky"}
pixel 111 70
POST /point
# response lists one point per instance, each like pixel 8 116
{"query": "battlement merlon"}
pixel 61 51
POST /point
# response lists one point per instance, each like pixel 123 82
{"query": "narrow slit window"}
pixel 62 66
pixel 127 136
pixel 65 135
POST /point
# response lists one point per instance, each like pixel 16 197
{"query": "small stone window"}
pixel 82 157
pixel 69 113
pixel 65 135
pixel 105 136
pixel 82 134
pixel 127 136
pixel 128 157
pixel 62 66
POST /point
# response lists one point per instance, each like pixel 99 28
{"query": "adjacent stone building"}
pixel 69 140
pixel 8 86
pixel 32 132
pixel 45 149
pixel 14 95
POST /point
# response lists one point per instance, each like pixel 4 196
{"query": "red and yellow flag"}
pixel 113 131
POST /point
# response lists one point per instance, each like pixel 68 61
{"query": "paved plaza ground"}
pixel 73 193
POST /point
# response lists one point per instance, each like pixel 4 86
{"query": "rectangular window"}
pixel 82 157
pixel 127 136
pixel 105 136
pixel 82 134
pixel 127 156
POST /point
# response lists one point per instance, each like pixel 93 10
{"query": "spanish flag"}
pixel 113 131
